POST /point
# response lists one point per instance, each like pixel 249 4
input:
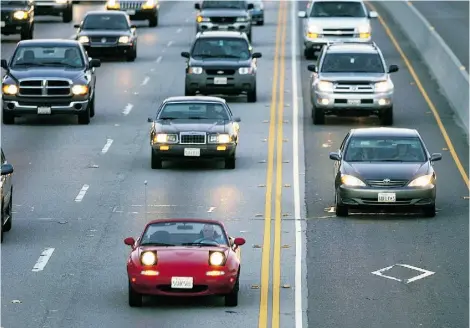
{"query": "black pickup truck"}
pixel 17 17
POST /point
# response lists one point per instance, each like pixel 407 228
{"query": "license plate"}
pixel 182 282
pixel 194 152
pixel 354 102
pixel 131 12
pixel 220 80
pixel 2 24
pixel 386 197
pixel 44 110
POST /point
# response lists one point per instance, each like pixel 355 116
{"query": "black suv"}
pixel 46 77
pixel 17 18
pixel 62 8
pixel 137 9
pixel 7 195
pixel 221 63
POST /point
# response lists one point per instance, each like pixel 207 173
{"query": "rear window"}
pixel 352 63
pixel 337 9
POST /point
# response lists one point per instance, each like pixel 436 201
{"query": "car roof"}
pixel 210 221
pixel 105 12
pixel 194 99
pixel 352 48
pixel 384 132
pixel 221 34
pixel 48 42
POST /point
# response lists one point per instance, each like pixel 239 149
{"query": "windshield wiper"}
pixel 390 160
pixel 28 64
pixel 156 244
pixel 198 244
pixel 167 118
pixel 62 64
pixel 197 118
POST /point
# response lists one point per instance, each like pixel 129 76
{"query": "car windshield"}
pixel 184 234
pixel 338 9
pixel 235 48
pixel 196 110
pixel 105 22
pixel 352 63
pixel 60 56
pixel 385 149
pixel 209 4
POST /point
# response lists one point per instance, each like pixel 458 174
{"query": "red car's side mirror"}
pixel 129 241
pixel 239 241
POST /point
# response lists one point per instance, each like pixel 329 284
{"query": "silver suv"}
pixel 335 21
pixel 351 79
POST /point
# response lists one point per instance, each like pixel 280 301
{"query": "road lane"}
pixel 342 253
pixel 84 281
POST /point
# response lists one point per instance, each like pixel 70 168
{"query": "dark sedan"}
pixel 108 33
pixel 192 128
pixel 384 168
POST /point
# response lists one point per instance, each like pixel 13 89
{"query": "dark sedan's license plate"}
pixel 387 197
pixel 192 152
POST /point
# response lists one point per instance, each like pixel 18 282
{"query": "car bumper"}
pixel 14 27
pixel 168 151
pixel 108 50
pixel 368 197
pixel 57 106
pixel 341 102
pixel 139 14
pixel 51 8
pixel 241 27
pixel 205 84
pixel 318 43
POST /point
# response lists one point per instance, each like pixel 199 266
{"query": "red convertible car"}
pixel 184 257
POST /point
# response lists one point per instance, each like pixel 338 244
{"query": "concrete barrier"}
pixel 447 70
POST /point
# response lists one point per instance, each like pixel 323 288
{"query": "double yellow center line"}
pixel 275 138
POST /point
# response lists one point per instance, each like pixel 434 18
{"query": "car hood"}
pixel 217 63
pixel 380 171
pixel 338 22
pixel 363 77
pixel 223 12
pixel 181 254
pixel 10 7
pixel 175 126
pixel 47 72
pixel 103 32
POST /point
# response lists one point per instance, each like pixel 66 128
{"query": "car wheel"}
pixel 250 36
pixel 188 92
pixel 67 15
pixel 232 298
pixel 318 116
pixel 386 117
pixel 132 56
pixel 92 106
pixel 309 54
pixel 230 162
pixel 9 214
pixel 84 118
pixel 8 119
pixel 156 161
pixel 261 22
pixel 153 22
pixel 430 211
pixel 27 35
pixel 251 95
pixel 135 299
pixel 340 210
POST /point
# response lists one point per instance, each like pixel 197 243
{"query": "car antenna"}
pixel 145 200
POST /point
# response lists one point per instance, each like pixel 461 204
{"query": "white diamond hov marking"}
pixel 425 273
pixel 43 259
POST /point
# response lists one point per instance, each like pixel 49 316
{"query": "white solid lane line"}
pixel 145 81
pixel 127 109
pixel 159 59
pixel 43 259
pixel 295 169
pixel 108 144
pixel 169 43
pixel 82 193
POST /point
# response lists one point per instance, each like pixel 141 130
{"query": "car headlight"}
pixel 150 4
pixel 112 4
pixel 219 138
pixel 10 89
pixel 313 31
pixel 20 14
pixel 383 86
pixel 124 39
pixel 245 70
pixel 195 70
pixel 363 29
pixel 165 138
pixel 242 19
pixel 351 181
pixel 422 181
pixel 79 90
pixel 148 258
pixel 83 39
pixel 216 258
pixel 201 19
pixel 325 86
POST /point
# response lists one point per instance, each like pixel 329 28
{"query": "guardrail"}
pixel 447 70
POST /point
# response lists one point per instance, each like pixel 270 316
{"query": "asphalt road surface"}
pixel 342 253
pixel 450 20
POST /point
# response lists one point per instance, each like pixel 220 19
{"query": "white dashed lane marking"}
pixel 159 59
pixel 169 43
pixel 211 209
pixel 43 259
pixel 106 147
pixel 127 109
pixel 146 80
pixel 82 193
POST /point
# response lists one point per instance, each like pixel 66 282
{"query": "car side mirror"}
pixel 302 14
pixel 434 158
pixel 250 6
pixel 239 241
pixel 150 120
pixel 373 14
pixel 185 54
pixel 129 241
pixel 197 6
pixel 335 156
pixel 133 26
pixel 76 25
pixel 393 69
pixel 95 63
pixel 256 55
pixel 4 64
pixel 312 68
pixel 237 119
pixel 7 169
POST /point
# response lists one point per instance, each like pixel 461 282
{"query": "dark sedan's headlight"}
pixel 351 181
pixel 124 39
pixel 220 138
pixel 422 181
pixel 165 138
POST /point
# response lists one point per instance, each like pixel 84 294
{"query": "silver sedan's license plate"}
pixel 354 102
pixel 44 110
pixel 192 152
pixel 387 197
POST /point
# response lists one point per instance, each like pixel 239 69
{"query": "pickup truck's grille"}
pixel 125 5
pixel 223 20
pixel 340 32
pixel 192 138
pixel 387 184
pixel 354 87
pixel 45 88
pixel 106 39
pixel 224 71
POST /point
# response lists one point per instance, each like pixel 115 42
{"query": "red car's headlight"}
pixel 148 258
pixel 217 258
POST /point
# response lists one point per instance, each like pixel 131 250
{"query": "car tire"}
pixel 67 14
pixel 28 34
pixel 9 213
pixel 251 95
pixel 429 211
pixel 153 22
pixel 309 54
pixel 132 56
pixel 260 23
pixel 340 209
pixel 135 299
pixel 188 92
pixel 84 118
pixel 155 161
pixel 318 116
pixel 386 117
pixel 92 106
pixel 8 119
pixel 230 162
pixel 250 36
pixel 232 298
